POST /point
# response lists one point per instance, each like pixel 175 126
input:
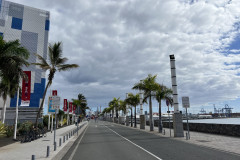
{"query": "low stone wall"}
pixel 221 129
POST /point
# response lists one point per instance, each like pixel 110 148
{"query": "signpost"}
pixel 54 104
pixel 186 105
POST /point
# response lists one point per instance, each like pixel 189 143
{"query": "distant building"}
pixel 31 27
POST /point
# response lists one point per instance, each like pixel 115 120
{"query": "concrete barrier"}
pixel 220 129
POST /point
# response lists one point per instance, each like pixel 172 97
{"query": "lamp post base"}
pixel 142 121
pixel 127 121
pixel 178 125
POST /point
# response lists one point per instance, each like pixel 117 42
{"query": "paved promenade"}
pixel 219 142
pixel 24 151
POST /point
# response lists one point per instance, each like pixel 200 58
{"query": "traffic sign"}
pixel 185 102
pixel 55 102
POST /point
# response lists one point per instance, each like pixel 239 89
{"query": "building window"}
pixel 47 23
pixel 17 23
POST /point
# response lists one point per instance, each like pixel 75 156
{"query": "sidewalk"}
pixel 24 151
pixel 219 142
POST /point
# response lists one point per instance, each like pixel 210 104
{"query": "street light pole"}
pixel 142 116
pixel 177 117
pixel 16 118
pixel 127 117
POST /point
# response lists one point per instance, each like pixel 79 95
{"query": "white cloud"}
pixel 117 43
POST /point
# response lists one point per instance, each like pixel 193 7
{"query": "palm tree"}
pixel 12 57
pixel 115 105
pixel 56 63
pixel 133 100
pixel 163 93
pixel 122 106
pixel 81 103
pixel 148 86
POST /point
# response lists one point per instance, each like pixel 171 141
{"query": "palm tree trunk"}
pixel 150 113
pixel 131 118
pixel 4 110
pixel 41 106
pixel 135 118
pixel 160 118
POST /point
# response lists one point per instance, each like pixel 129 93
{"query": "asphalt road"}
pixel 107 141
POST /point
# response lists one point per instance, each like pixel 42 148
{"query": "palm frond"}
pixel 65 67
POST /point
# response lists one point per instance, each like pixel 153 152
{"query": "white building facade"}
pixel 31 27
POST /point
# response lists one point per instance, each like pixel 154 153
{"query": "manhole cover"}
pixel 202 141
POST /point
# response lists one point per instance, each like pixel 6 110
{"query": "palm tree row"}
pixel 151 90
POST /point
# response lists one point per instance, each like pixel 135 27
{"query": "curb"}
pixel 63 151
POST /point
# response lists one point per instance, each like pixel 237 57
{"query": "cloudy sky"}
pixel 118 42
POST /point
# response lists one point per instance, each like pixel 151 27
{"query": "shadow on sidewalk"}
pixel 6 141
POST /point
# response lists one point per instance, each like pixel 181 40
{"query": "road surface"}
pixel 109 141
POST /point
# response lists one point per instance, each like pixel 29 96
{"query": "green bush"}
pixel 40 125
pixel 25 127
pixel 9 131
pixel 2 129
pixel 45 120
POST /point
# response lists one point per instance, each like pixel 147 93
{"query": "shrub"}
pixel 40 125
pixel 9 131
pixel 45 120
pixel 25 127
pixel 2 129
pixel 64 121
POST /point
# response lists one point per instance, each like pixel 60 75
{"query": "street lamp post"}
pixel 142 116
pixel 177 117
pixel 16 118
pixel 127 117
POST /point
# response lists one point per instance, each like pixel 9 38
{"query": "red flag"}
pixel 74 108
pixel 65 105
pixel 26 89
pixel 70 107
pixel 54 92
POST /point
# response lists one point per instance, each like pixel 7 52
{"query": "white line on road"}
pixel 75 149
pixel 135 144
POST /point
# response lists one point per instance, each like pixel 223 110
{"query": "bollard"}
pixel 33 157
pixel 48 151
pixel 186 136
pixel 164 132
pixel 55 146
pixel 63 139
pixel 67 137
pixel 77 130
pixel 60 142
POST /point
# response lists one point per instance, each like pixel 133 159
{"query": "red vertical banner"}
pixel 54 92
pixel 74 109
pixel 65 106
pixel 26 89
pixel 70 107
